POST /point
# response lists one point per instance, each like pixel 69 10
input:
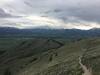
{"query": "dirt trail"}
pixel 85 69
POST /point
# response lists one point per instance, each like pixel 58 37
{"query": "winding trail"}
pixel 85 69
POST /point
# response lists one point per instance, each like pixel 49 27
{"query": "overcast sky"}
pixel 67 14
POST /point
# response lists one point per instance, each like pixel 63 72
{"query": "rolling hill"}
pixel 31 56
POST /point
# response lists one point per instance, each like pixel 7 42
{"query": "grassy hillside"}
pixel 33 56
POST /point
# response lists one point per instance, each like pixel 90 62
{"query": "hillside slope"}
pixel 48 56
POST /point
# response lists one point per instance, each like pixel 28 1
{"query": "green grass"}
pixel 43 56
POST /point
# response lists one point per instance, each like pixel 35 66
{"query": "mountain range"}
pixel 59 33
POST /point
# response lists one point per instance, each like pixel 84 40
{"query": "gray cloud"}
pixel 65 10
pixel 84 9
pixel 3 14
